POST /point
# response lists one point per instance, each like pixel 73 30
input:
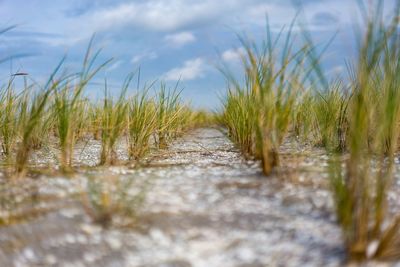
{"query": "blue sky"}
pixel 168 39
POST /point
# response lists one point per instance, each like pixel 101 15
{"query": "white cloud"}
pixel 157 15
pixel 233 55
pixel 191 69
pixel 180 39
pixel 147 16
pixel 144 56
pixel 115 65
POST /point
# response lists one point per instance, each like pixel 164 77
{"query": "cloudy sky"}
pixel 168 39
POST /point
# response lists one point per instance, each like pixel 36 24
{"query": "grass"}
pixel 109 201
pixel 170 115
pixel 201 118
pixel 8 118
pixel 59 110
pixel 69 106
pixel 258 112
pixel 36 116
pixel 31 120
pixel 94 119
pixel 328 120
pixel 360 187
pixel 332 118
pixel 113 123
pixel 142 124
pixel 237 117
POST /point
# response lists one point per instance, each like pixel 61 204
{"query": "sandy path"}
pixel 205 207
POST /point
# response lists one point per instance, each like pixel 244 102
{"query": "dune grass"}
pixel 59 110
pixel 170 115
pixel 59 114
pixel 258 112
pixel 142 123
pixel 330 110
pixel 69 106
pixel 8 118
pixel 30 121
pixel 113 123
pixel 110 201
pixel 361 187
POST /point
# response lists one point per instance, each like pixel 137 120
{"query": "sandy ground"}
pixel 204 206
